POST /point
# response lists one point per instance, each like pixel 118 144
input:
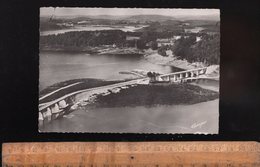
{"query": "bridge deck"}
pixel 48 104
pixel 41 107
pixel 57 90
pixel 181 72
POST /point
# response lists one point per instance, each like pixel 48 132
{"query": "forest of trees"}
pixel 103 37
pixel 109 37
pixel 85 38
pixel 206 50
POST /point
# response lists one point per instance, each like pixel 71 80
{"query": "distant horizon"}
pixel 121 12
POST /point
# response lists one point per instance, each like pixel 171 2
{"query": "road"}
pixel 59 90
pixel 107 87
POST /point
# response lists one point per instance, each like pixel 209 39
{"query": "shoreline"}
pixel 99 50
pixel 143 95
pixel 149 55
pixel 56 90
pixel 171 119
pixel 171 60
pixel 154 95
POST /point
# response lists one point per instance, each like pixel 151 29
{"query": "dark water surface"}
pixel 58 66
pixel 196 118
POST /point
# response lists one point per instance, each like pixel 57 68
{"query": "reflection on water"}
pixel 194 30
pixel 58 66
pixel 207 84
pixel 196 118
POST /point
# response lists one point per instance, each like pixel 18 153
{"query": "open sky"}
pixel 126 11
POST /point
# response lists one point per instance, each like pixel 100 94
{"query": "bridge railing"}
pixel 182 75
pixel 181 72
pixel 53 109
pixel 48 104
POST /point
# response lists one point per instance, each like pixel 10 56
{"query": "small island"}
pixel 153 95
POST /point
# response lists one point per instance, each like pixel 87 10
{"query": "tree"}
pixel 206 50
pixel 162 51
pixel 154 45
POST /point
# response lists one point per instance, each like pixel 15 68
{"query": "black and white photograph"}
pixel 129 70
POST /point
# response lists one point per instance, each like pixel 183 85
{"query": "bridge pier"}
pixel 181 75
pixel 52 112
pixel 62 104
pixel 55 111
pixel 169 78
pixel 192 74
pixel 202 71
pixel 174 78
pixel 184 75
pixel 48 114
pixel 178 78
pixel 40 119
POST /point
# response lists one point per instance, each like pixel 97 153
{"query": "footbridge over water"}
pixel 51 110
pixel 182 75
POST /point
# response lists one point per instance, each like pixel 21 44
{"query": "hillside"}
pixel 149 18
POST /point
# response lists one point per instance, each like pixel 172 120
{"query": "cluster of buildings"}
pixel 160 41
pixel 167 41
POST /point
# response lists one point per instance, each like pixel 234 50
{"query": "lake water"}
pixel 57 66
pixel 196 118
pixel 92 28
pixel 194 30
